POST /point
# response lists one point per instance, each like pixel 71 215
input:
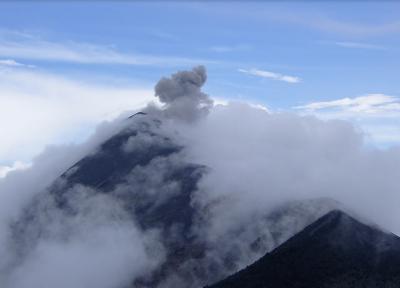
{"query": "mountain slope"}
pixel 139 168
pixel 334 251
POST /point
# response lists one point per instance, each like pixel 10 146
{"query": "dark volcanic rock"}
pixel 334 251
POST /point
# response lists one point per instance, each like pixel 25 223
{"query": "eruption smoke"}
pixel 182 95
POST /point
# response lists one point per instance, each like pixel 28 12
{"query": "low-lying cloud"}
pixel 261 159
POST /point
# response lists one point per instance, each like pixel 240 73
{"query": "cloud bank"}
pixel 261 158
pixel 376 114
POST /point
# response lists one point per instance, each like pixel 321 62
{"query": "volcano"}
pixel 141 168
pixel 136 178
pixel 335 251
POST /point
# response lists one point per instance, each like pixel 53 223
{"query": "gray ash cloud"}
pixel 182 96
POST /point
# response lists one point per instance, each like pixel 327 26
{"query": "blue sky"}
pixel 332 60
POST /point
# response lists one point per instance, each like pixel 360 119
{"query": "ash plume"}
pixel 182 96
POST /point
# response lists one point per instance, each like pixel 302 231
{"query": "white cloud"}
pixel 22 46
pixel 18 165
pixel 283 153
pixel 226 48
pixel 271 75
pixel 226 102
pixel 387 134
pixel 358 45
pixel 378 115
pixel 12 63
pixel 59 109
pixel 371 104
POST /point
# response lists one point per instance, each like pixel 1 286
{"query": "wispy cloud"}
pixel 23 46
pixel 324 21
pixel 271 75
pixel 12 63
pixel 352 28
pixel 232 48
pixel 318 19
pixel 371 104
pixel 358 45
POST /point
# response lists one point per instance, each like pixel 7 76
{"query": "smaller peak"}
pixel 330 217
pixel 334 219
pixel 335 224
pixel 336 214
pixel 338 229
